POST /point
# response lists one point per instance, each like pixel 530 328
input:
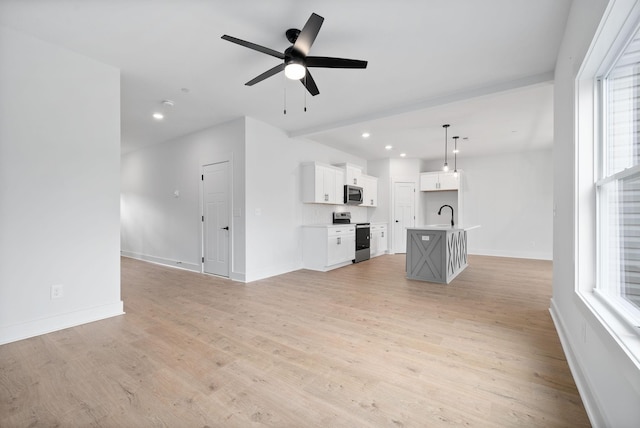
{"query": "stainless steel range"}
pixel 363 236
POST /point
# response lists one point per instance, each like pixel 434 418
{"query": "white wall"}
pixel 59 187
pixel 267 202
pixel 608 380
pixel 160 227
pixel 275 212
pixel 511 197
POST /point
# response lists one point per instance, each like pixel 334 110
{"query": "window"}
pixel 617 172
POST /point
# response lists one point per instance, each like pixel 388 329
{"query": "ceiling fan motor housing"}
pixel 292 56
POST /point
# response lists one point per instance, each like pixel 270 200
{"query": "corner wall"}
pixel 511 197
pixel 608 381
pixel 59 188
pixel 275 212
pixel 157 226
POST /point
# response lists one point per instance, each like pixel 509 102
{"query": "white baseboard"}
pixel 13 333
pixel 268 273
pixel 588 399
pixel 194 267
pixel 541 255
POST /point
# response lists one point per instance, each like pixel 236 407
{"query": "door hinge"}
pixel 203 260
pixel 202 178
pixel 202 218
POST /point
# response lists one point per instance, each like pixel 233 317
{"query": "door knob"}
pixel 225 228
pixel 397 221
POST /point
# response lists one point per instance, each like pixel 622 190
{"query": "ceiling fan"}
pixel 296 59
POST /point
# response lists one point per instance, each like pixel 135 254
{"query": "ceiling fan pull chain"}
pixel 305 92
pixel 285 100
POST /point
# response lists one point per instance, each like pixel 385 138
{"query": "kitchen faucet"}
pixel 440 211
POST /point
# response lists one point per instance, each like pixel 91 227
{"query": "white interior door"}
pixel 403 213
pixel 216 227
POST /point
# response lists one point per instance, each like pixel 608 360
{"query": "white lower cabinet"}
pixel 328 247
pixel 378 243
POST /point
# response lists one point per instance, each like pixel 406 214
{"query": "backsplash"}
pixel 323 214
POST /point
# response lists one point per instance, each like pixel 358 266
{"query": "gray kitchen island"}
pixel 436 253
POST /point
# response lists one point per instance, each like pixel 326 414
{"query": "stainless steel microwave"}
pixel 353 195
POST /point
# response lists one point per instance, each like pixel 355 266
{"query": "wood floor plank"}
pixel 359 346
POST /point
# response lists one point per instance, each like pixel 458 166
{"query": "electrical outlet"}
pixel 57 291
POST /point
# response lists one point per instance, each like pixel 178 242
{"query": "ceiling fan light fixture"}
pixel 295 70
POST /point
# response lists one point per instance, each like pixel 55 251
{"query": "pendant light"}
pixel 445 167
pixel 455 156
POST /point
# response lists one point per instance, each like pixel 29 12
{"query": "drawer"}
pixel 341 231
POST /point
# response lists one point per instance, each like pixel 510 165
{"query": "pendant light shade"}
pixel 445 167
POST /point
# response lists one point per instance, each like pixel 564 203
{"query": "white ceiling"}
pixel 485 67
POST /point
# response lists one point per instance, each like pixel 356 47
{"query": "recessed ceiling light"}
pixel 388 147
pixel 365 135
pixel 158 116
pixel 402 155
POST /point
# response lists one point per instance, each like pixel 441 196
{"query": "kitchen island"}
pixel 436 253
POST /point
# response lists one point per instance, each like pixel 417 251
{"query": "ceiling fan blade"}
pixel 308 34
pixel 253 46
pixel 310 84
pixel 331 62
pixel 275 70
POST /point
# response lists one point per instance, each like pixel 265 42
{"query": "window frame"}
pixel 626 311
pixel 619 24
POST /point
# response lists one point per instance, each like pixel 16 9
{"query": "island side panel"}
pixel 456 259
pixel 426 255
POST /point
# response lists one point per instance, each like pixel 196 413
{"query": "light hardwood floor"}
pixel 359 346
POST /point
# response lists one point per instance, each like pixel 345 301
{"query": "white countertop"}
pixel 343 224
pixel 330 225
pixel 443 227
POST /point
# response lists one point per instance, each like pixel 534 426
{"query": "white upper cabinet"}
pixel 353 174
pixel 437 181
pixel 322 184
pixel 369 190
pixel 354 177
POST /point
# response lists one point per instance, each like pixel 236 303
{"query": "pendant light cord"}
pixel 446 165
